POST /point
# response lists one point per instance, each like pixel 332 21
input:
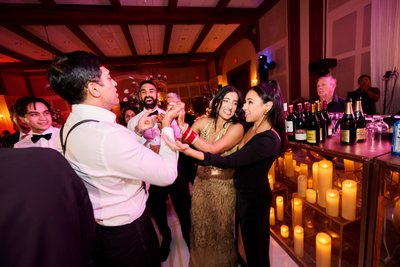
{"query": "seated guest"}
pixel 127 114
pixel 369 95
pixel 326 91
pixel 21 128
pixel 36 113
pixel 46 215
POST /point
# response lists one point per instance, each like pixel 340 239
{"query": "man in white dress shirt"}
pixel 36 113
pixel 111 162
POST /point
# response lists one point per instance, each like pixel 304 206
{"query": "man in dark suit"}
pixel 46 215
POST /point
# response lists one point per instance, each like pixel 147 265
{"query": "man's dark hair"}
pixel 149 81
pixel 363 76
pixel 21 105
pixel 70 73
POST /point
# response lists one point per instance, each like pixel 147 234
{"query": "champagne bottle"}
pixel 290 120
pixel 322 123
pixel 313 130
pixel 306 111
pixel 328 120
pixel 300 131
pixel 361 132
pixel 348 127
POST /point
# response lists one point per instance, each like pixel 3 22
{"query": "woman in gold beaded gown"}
pixel 212 240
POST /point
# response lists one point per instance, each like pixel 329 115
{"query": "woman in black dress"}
pixel 261 145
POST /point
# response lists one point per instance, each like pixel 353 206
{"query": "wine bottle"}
pixel 328 120
pixel 290 120
pixel 348 127
pixel 361 132
pixel 322 123
pixel 300 131
pixel 285 112
pixel 306 111
pixel 313 130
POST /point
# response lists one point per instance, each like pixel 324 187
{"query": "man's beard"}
pixel 151 105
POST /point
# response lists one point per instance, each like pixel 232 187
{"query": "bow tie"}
pixel 36 137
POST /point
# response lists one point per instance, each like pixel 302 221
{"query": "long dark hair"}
pixel 271 91
pixel 217 103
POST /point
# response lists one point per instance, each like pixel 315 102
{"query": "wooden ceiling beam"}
pixel 86 40
pixel 203 34
pixel 167 39
pixel 129 40
pixel 15 55
pixel 32 38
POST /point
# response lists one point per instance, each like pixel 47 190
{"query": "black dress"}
pixel 254 196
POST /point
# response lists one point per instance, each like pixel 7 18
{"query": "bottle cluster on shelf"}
pixel 311 123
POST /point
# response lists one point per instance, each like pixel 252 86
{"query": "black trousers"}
pixel 180 196
pixel 134 244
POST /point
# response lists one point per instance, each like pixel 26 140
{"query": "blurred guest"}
pixel 21 128
pixel 369 95
pixel 113 165
pixel 127 114
pixel 36 113
pixel 46 215
pixel 326 86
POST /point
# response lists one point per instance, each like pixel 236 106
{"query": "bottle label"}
pixel 300 135
pixel 312 136
pixel 361 134
pixel 345 136
pixel 330 131
pixel 289 126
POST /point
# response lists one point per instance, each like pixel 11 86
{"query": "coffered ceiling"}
pixel 123 33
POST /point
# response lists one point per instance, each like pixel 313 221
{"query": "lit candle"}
pixel 298 234
pixel 332 202
pixel 310 183
pixel 325 172
pixel 271 216
pixel 302 185
pixel 294 163
pixel 348 168
pixel 315 175
pixel 311 196
pixel 297 211
pixel 323 250
pixel 272 172
pixel 271 182
pixel 349 199
pixel 281 165
pixel 279 208
pixel 296 171
pixel 289 172
pixel 284 231
pixel 304 169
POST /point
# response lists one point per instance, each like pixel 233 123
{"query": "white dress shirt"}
pixel 113 164
pixel 51 143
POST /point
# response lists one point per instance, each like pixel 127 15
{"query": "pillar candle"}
pixel 281 165
pixel 311 196
pixel 284 231
pixel 279 208
pixel 297 211
pixel 271 182
pixel 294 163
pixel 271 216
pixel 349 199
pixel 302 185
pixel 272 172
pixel 289 171
pixel 304 169
pixel 332 202
pixel 296 171
pixel 315 175
pixel 298 233
pixel 309 183
pixel 325 172
pixel 323 250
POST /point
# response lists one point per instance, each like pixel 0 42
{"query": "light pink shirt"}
pixel 113 164
pixel 51 143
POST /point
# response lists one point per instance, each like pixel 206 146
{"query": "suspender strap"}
pixel 64 145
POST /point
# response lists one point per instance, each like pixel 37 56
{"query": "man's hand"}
pixel 173 110
pixel 146 122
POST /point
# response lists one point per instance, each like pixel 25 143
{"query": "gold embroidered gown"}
pixel 213 204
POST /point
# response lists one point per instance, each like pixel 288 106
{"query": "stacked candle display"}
pixel 271 172
pixel 332 202
pixel 315 175
pixel 349 199
pixel 302 185
pixel 271 182
pixel 284 231
pixel 272 216
pixel 304 169
pixel 325 173
pixel 311 196
pixel 289 170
